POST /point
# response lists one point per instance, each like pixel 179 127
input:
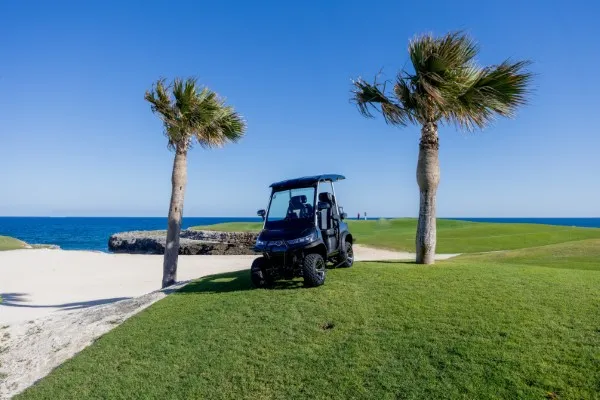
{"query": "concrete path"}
pixel 364 253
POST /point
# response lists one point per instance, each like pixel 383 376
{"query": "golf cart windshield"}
pixel 291 208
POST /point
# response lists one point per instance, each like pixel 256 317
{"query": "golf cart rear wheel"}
pixel 313 270
pixel 258 274
pixel 349 260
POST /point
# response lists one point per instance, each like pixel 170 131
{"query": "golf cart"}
pixel 303 231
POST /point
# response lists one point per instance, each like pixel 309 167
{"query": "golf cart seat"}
pixel 326 214
pixel 325 220
pixel 298 203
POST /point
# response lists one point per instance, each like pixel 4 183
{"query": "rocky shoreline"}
pixel 192 242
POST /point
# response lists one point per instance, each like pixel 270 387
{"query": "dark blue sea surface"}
pixel 90 233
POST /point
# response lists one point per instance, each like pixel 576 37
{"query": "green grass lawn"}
pixel 231 227
pixel 583 255
pixel 521 324
pixel 8 243
pixel 453 236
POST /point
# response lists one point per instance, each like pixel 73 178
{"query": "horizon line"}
pixel 254 217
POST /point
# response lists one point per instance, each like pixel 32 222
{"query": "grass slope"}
pixel 8 243
pixel 583 255
pixel 486 326
pixel 453 236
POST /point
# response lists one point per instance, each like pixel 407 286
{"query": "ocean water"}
pixel 87 233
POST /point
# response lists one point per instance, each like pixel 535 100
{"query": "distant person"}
pixel 365 215
pixel 358 216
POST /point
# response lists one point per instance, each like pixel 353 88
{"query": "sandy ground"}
pixel 35 283
pixel 55 303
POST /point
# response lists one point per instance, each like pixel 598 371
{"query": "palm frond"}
pixel 225 126
pixel 159 100
pixel 369 97
pixel 437 62
pixel 185 94
pixel 496 90
pixel 454 50
pixel 420 49
pixel 447 85
pixel 194 113
pixel 506 86
pixel 430 55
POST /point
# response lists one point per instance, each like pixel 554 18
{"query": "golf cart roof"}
pixel 306 181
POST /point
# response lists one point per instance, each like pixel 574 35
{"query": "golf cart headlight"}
pixel 305 239
pixel 260 243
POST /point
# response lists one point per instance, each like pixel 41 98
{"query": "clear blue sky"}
pixel 77 138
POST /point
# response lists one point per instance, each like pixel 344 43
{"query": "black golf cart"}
pixel 303 232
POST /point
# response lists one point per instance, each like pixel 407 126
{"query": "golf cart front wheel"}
pixel 260 278
pixel 313 269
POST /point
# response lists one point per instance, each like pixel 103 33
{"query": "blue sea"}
pixel 88 233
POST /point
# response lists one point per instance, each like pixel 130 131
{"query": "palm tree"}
pixel 189 114
pixel 445 86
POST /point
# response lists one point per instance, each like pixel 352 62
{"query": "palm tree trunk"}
pixel 178 182
pixel 428 178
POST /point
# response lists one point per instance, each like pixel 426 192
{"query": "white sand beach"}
pixel 36 283
pixel 55 303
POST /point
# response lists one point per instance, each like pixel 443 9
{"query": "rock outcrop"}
pixel 191 242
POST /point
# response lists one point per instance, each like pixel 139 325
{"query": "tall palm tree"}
pixel 445 86
pixel 190 115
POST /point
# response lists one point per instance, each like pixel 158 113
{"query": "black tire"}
pixel 258 274
pixel 313 270
pixel 349 259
